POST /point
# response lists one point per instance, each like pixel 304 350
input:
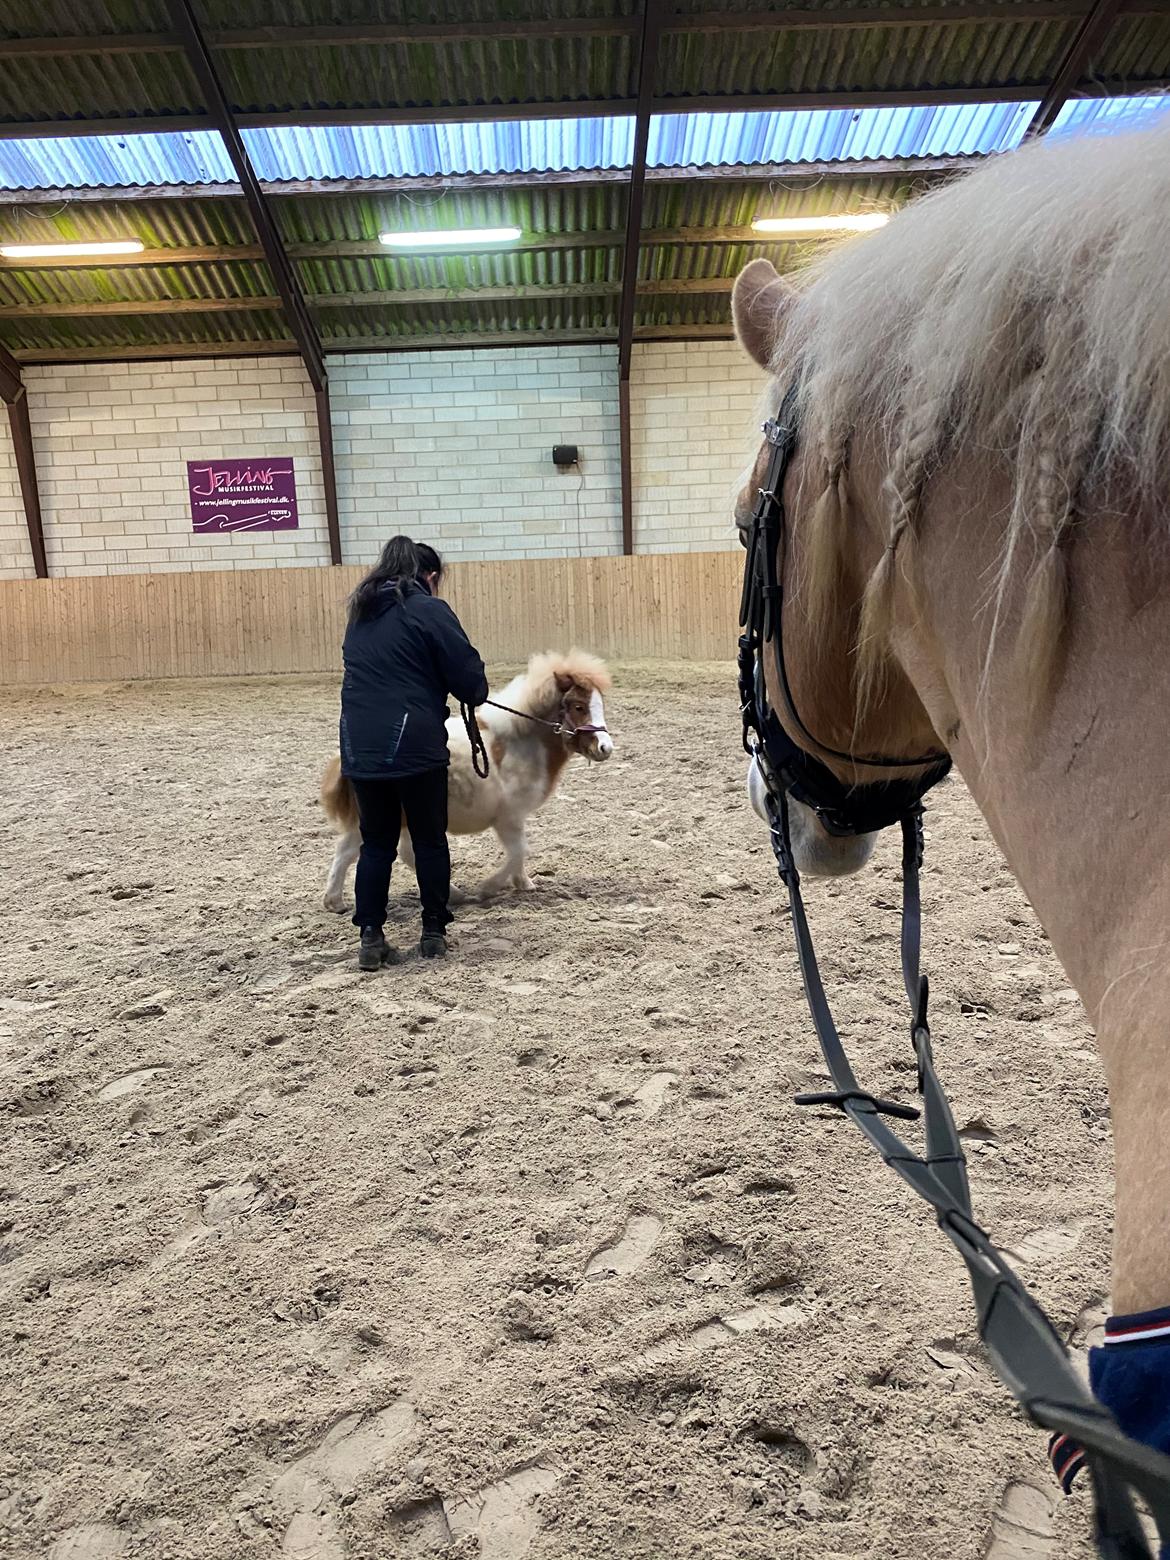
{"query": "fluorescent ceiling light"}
pixel 123 246
pixel 448 238
pixel 863 223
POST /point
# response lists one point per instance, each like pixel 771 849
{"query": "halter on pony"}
pixel 559 728
pixel 1024 1347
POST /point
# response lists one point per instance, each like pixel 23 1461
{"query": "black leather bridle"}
pixel 1024 1347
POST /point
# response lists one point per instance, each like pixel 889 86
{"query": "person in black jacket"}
pixel 404 652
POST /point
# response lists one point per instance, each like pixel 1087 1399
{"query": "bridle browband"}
pixel 1024 1347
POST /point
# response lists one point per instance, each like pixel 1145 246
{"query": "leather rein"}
pixel 1024 1347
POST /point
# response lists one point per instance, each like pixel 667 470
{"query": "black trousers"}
pixel 381 804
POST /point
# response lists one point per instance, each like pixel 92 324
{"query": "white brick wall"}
pixel 456 448
pixel 112 442
pixel 453 447
pixel 693 431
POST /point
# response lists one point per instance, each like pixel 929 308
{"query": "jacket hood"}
pixel 387 595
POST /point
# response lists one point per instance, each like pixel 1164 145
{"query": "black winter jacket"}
pixel 400 665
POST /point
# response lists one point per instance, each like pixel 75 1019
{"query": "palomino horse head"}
pixel 831 714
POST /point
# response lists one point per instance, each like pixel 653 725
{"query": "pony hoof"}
pixel 458 896
pixel 335 903
pixel 523 885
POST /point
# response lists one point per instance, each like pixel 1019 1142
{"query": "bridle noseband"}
pixel 1023 1345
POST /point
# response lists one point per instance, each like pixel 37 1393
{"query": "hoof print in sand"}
pixel 645 1101
pixel 629 1251
pixel 947 1357
pixel 1022 1528
pixel 223 1204
pixel 128 1083
pixel 675 1350
pixel 1047 1245
pixel 310 1491
pixel 97 1541
pixel 650 1096
pixel 501 1516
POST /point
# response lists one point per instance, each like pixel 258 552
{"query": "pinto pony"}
pixel 555 712
pixel 977 560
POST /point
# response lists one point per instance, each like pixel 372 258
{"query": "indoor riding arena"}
pixel 529 1252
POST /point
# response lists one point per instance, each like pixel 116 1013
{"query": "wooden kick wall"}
pixel 675 606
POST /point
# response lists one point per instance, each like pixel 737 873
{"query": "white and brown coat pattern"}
pixel 527 758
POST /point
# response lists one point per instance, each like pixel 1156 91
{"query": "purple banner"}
pixel 242 495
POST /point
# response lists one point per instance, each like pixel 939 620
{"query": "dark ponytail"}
pixel 398 565
pixel 429 561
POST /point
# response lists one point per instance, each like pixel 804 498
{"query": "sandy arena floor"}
pixel 528 1254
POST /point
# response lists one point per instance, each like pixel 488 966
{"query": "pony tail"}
pixel 397 565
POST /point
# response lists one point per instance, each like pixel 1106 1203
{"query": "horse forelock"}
pixel 536 690
pixel 1022 312
pixel 588 672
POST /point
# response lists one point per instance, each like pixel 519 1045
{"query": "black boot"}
pixel 433 943
pixel 375 950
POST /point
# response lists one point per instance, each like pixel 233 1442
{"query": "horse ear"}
pixel 758 301
pixel 564 681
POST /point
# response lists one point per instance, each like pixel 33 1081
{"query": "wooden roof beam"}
pixel 340 345
pixel 406 297
pixel 15 398
pixel 653 15
pixel 343 249
pixel 186 26
pixel 292 299
pixel 1078 58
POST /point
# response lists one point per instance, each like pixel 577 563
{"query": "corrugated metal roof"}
pixel 569 286
pixel 676 140
pixel 689 207
pixel 1010 54
pixel 832 135
pixel 464 69
pixel 394 151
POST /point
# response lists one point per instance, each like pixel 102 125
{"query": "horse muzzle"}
pixel 591 742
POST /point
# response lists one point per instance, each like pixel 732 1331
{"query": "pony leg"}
pixel 349 845
pixel 513 838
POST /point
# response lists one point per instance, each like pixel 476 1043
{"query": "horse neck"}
pixel 1074 792
pixel 1071 786
pixel 536 739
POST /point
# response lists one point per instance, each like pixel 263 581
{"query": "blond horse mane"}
pixel 1023 311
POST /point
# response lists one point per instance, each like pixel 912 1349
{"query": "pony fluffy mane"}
pixel 535 690
pixel 1021 311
